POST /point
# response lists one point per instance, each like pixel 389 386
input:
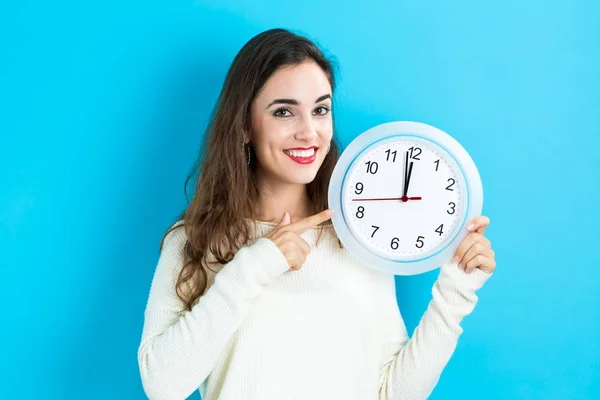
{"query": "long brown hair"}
pixel 216 221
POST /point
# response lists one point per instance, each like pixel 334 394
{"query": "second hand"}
pixel 403 198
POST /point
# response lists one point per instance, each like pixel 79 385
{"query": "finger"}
pixel 310 222
pixel 480 261
pixel 488 266
pixel 298 260
pixel 464 246
pixel 478 224
pixel 475 250
pixel 304 246
pixel 285 220
pixel 297 242
pixel 477 247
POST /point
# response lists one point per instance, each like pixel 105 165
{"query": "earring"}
pixel 247 148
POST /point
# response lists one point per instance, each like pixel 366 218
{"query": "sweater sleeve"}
pixel 412 367
pixel 178 348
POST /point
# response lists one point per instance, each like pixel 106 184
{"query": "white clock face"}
pixel 404 224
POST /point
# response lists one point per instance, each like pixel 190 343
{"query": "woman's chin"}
pixel 301 174
pixel 303 177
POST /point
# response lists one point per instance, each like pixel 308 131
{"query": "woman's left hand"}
pixel 475 251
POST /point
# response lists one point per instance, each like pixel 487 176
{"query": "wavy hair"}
pixel 217 219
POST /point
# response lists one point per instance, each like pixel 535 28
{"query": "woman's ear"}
pixel 246 134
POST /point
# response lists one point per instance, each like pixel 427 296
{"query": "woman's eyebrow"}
pixel 296 102
pixel 284 101
pixel 326 96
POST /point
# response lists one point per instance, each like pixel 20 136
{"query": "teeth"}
pixel 300 153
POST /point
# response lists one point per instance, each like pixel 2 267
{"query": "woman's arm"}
pixel 412 367
pixel 179 349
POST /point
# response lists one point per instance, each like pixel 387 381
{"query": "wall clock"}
pixel 403 193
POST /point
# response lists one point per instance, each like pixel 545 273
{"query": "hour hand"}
pixel 408 178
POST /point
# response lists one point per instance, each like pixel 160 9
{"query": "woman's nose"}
pixel 306 130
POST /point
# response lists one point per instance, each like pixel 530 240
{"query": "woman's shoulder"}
pixel 175 235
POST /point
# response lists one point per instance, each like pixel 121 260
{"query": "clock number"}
pixel 420 241
pixel 449 187
pixel 437 164
pixel 394 244
pixel 440 229
pixel 372 167
pixel 359 188
pixel 416 151
pixel 388 151
pixel 376 229
pixel 452 207
pixel 361 212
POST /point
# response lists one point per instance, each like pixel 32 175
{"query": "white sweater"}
pixel 330 331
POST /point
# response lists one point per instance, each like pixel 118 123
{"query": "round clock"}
pixel 403 193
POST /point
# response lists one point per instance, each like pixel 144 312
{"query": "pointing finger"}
pixel 310 222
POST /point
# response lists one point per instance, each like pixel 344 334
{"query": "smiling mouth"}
pixel 302 156
pixel 301 152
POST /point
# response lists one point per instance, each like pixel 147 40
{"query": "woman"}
pixel 253 296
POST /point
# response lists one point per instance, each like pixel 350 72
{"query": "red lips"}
pixel 303 160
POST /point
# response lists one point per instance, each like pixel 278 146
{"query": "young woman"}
pixel 253 296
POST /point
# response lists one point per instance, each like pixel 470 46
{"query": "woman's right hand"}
pixel 287 238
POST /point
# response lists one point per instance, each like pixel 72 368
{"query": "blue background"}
pixel 102 106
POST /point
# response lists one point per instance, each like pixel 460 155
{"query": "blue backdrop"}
pixel 102 106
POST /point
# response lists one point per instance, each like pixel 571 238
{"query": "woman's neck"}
pixel 274 200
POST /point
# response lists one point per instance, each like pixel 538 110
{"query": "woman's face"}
pixel 292 124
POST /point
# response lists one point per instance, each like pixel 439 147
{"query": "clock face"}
pixel 398 223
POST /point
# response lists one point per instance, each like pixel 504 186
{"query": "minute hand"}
pixel 405 173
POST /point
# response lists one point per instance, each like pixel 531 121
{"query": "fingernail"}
pixel 456 258
pixel 460 266
pixel 470 227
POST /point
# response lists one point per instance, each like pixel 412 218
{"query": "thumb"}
pixel 285 220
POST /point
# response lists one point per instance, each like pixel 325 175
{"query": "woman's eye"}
pixel 281 112
pixel 322 110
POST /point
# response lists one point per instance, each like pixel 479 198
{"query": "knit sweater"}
pixel 331 330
